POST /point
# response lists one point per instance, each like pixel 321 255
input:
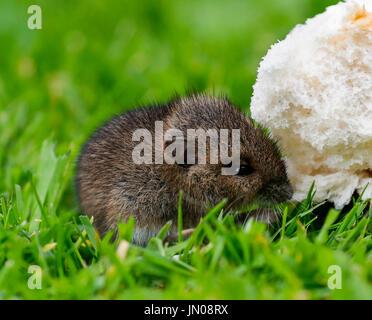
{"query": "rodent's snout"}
pixel 288 190
pixel 277 192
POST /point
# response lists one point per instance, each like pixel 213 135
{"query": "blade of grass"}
pixel 89 229
pixel 285 213
pixel 323 234
pixel 179 221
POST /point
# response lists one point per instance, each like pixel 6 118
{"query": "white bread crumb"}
pixel 314 91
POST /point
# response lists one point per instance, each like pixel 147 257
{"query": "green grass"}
pixel 93 59
pixel 221 260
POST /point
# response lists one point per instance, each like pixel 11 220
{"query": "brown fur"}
pixel 109 184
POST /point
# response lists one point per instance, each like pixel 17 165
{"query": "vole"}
pixel 111 185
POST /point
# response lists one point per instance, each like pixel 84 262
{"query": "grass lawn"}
pixel 93 59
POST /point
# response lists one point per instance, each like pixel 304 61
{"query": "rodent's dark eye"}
pixel 245 170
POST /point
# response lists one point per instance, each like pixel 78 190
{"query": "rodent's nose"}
pixel 289 190
pixel 277 192
pixel 284 190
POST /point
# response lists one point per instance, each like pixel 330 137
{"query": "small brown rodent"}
pixel 110 184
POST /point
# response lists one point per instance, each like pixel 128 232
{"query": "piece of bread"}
pixel 314 91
